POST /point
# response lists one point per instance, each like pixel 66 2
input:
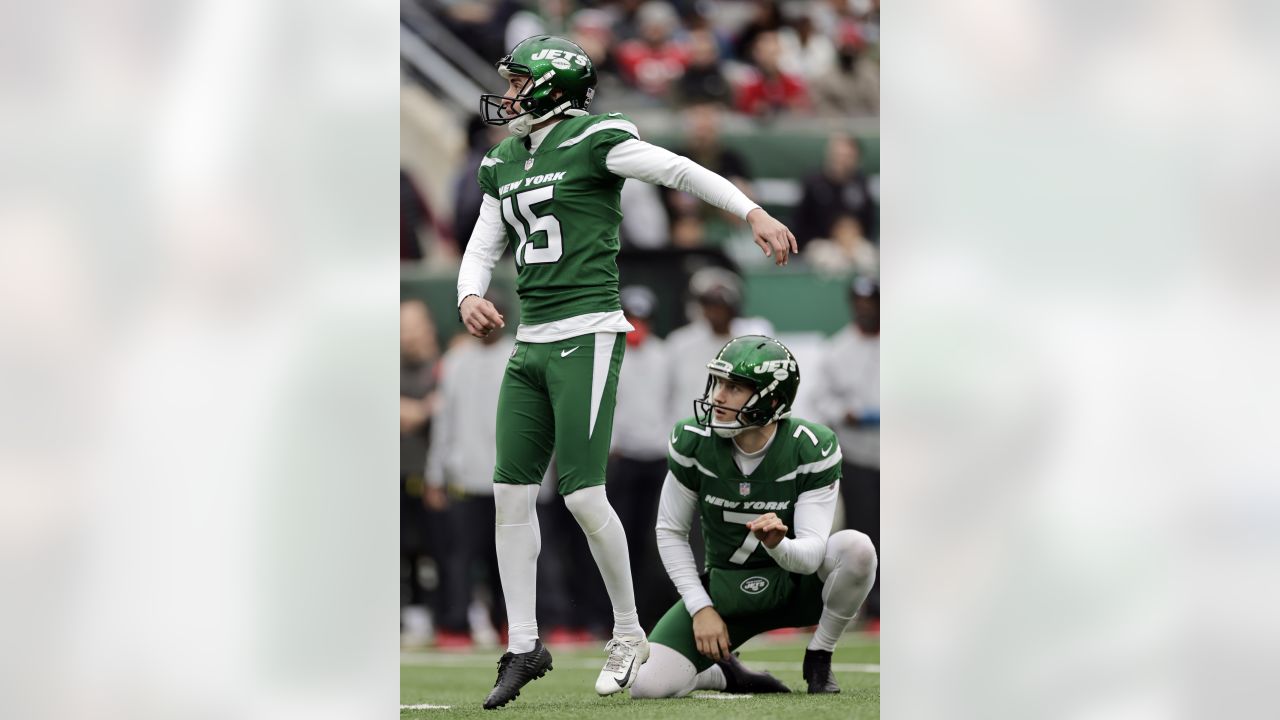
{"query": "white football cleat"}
pixel 626 655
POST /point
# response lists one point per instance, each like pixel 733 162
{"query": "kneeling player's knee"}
pixel 853 551
pixel 667 674
pixel 590 507
pixel 648 687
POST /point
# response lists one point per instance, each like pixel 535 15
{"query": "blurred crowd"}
pixel 710 64
pixel 760 57
pixel 450 592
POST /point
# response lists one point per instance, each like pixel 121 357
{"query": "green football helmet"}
pixel 758 362
pixel 552 64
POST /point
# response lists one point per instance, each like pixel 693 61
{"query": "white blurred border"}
pixel 198 293
pixel 1080 286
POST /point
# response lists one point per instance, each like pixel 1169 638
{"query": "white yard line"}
pixel 475 661
pixel 425 707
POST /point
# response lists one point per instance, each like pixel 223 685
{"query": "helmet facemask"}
pixel 752 414
pixel 537 105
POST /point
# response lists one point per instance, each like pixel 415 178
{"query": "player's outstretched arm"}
pixel 652 164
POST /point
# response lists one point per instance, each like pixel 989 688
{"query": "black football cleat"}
pixel 740 679
pixel 817 672
pixel 515 670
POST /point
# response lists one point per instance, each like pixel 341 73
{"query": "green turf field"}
pixel 456 683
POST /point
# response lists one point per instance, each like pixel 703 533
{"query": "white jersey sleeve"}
pixel 815 510
pixel 676 509
pixel 652 164
pixel 488 239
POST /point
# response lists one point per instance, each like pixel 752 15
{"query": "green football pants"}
pixel 559 397
pixel 802 609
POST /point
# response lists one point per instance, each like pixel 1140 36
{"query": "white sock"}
pixel 518 542
pixel 608 543
pixel 710 679
pixel 850 569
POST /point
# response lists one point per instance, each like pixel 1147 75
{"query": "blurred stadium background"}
pixel 780 97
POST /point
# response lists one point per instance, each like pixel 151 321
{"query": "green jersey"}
pixel 561 211
pixel 803 456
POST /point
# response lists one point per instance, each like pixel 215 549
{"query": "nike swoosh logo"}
pixel 623 682
pixel 828 450
pixel 565 353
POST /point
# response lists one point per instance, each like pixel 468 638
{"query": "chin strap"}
pixel 523 125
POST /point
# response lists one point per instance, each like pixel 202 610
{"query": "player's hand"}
pixel 710 633
pixel 772 236
pixel 480 316
pixel 769 529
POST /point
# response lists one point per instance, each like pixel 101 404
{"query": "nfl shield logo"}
pixel 744 488
pixel 528 163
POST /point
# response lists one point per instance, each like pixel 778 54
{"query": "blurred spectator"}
pixel 704 79
pixel 460 477
pixel 840 189
pixel 592 30
pixel 413 215
pixel 718 293
pixel 638 461
pixel 420 564
pixel 806 51
pixel 543 17
pixel 482 24
pixel 766 17
pixel 466 191
pixel 626 21
pixel 688 231
pixel 695 222
pixel 852 84
pixel 850 405
pixel 766 88
pixel 845 249
pixel 652 61
pixel 644 217
pixel 703 122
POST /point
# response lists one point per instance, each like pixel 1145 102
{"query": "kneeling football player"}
pixel 766 485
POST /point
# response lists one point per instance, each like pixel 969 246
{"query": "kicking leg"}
pixel 582 375
pixel 848 571
pixel 608 543
pixel 628 650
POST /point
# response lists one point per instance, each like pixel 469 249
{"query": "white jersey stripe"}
pixel 813 467
pixel 685 461
pixel 600 373
pixel 489 162
pixel 603 125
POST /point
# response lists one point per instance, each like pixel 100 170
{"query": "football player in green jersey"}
pixel 551 192
pixel 765 485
